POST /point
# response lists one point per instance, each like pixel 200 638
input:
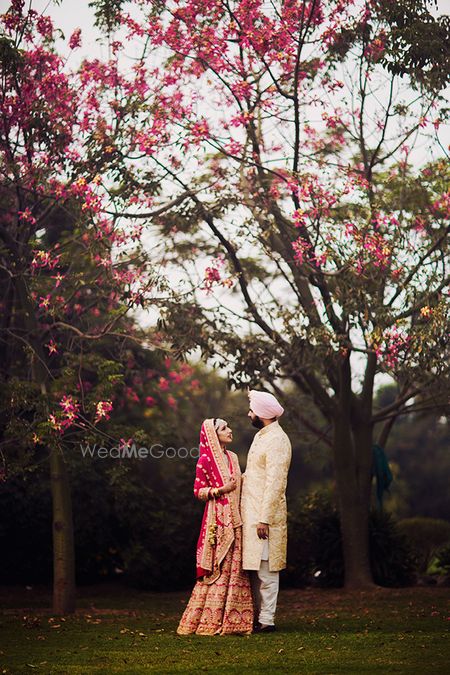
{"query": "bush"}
pixel 148 532
pixel 26 529
pixel 159 529
pixel 315 547
pixel 391 557
pixel 425 536
pixel 443 560
pixel 312 520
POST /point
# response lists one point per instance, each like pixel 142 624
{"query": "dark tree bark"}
pixel 63 537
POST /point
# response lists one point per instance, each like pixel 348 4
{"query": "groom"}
pixel 263 506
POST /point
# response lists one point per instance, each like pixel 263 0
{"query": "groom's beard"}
pixel 257 422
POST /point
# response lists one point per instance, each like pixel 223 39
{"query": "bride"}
pixel 221 601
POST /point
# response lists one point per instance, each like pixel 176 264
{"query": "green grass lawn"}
pixel 117 630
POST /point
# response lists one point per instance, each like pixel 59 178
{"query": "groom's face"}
pixel 255 420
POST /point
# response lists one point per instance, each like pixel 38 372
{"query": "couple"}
pixel 242 542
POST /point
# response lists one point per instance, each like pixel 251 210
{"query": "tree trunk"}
pixel 352 450
pixel 353 505
pixel 63 541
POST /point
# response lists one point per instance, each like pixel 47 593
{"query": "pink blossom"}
pixel 234 148
pixel 301 247
pixel 213 275
pixel 376 47
pixel 163 384
pixel 44 26
pixel 199 131
pixel 55 423
pixel 26 216
pixel 131 395
pixel 242 119
pixel 52 347
pixel 241 89
pixel 125 443
pixel 58 277
pixel 171 401
pixel 43 259
pixel 70 407
pixel 103 408
pixel 75 39
pixel 299 218
pixel 45 301
pixel 395 346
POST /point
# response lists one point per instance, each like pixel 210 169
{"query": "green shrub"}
pixel 425 536
pixel 391 558
pixel 315 547
pixel 26 530
pixel 148 533
pixel 313 519
pixel 443 559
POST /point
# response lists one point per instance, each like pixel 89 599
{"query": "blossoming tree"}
pixel 70 274
pixel 300 144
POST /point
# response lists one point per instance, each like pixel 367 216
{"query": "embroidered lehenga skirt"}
pixel 224 606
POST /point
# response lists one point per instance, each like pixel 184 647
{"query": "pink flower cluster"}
pixel 75 39
pixel 376 47
pixel 102 410
pixel 213 275
pixel 373 247
pixel 199 131
pixel 43 259
pixel 394 347
pixel 441 206
pixel 301 248
pixel 67 417
pixel 378 249
pixel 26 216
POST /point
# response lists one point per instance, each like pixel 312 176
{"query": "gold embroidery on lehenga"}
pixel 212 534
pixel 224 607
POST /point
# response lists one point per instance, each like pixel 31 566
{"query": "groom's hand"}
pixel 262 530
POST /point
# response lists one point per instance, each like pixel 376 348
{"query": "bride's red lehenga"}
pixel 221 602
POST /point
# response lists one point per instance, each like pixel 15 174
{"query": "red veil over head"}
pixel 215 467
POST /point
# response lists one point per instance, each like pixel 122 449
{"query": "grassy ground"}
pixel 116 630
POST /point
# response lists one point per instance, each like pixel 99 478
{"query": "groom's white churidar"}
pixel 264 502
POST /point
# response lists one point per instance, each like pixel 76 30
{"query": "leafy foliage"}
pixel 425 536
pixel 315 547
pixel 418 44
pixel 443 559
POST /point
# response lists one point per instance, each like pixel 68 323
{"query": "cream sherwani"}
pixel 264 499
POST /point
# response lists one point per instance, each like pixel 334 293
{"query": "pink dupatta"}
pixel 221 516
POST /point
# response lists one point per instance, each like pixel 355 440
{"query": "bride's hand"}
pixel 228 487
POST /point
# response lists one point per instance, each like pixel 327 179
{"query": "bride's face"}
pixel 224 434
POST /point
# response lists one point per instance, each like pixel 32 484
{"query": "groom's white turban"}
pixel 264 405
